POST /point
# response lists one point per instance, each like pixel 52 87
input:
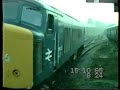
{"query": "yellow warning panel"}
pixel 17 57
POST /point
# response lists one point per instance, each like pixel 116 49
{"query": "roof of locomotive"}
pixel 51 8
pixel 67 18
pixel 111 26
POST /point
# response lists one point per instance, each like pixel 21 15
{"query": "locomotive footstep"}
pixel 45 86
pixel 53 82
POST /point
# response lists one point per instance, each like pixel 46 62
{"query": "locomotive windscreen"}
pixel 31 15
pixel 28 14
pixel 10 10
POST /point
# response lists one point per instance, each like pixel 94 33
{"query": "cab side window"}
pixel 50 27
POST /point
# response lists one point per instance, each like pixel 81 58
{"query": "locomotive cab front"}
pixel 17 54
pixel 22 43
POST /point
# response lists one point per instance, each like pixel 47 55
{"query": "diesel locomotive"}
pixel 37 40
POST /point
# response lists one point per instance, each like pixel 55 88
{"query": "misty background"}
pixel 94 15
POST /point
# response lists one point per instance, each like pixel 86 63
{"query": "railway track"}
pixel 91 45
pixel 88 41
pixel 87 48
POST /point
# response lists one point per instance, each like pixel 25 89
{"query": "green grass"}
pixel 107 57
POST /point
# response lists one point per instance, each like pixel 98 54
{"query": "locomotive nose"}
pixel 17 57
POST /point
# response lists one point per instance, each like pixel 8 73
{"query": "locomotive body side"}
pixel 56 36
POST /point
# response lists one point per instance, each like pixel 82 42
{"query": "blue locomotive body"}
pixel 56 36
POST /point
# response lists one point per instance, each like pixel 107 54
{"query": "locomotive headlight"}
pixel 7 58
